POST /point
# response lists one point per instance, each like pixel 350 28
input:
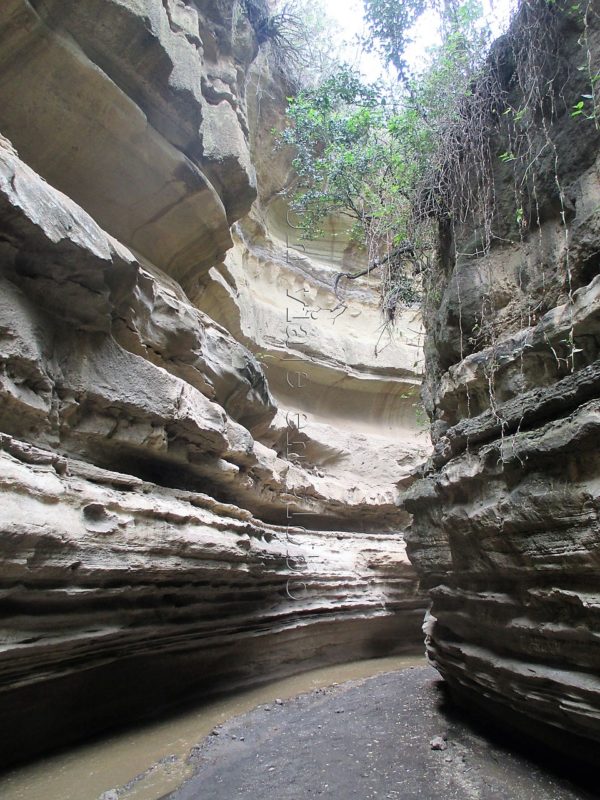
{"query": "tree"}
pixel 389 24
pixel 380 157
pixel 357 155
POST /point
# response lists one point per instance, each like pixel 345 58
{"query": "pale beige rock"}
pixel 280 303
pixel 78 275
pixel 148 470
pixel 110 578
pixel 348 419
pixel 127 79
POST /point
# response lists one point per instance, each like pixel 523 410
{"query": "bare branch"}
pixel 404 249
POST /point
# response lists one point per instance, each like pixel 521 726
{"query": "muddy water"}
pixel 147 762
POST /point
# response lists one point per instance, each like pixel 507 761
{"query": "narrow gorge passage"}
pixel 232 452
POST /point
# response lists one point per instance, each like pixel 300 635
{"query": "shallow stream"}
pixel 150 760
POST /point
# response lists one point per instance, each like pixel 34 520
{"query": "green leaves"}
pixel 583 108
pixel 389 160
pixel 390 24
pixel 346 157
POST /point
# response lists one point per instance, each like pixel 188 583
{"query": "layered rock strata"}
pixel 121 596
pixel 181 511
pixel 506 534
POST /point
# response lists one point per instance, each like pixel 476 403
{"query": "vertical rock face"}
pixel 506 532
pixel 143 99
pixel 181 510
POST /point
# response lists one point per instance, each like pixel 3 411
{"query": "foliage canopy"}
pixel 358 154
pixel 405 161
pixel 369 152
pixel 390 23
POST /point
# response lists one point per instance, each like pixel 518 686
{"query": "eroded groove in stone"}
pixel 176 517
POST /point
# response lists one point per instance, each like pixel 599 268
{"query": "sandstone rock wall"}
pixel 506 533
pixel 121 596
pixel 179 514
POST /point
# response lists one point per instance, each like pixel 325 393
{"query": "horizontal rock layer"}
pixel 134 110
pixel 111 581
pixel 154 444
pixel 506 533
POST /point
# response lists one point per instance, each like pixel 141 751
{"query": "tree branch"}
pixel 404 249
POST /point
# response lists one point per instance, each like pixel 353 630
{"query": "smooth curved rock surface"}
pixel 133 94
pixel 325 358
pixel 177 517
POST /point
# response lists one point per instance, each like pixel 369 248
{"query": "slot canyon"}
pixel 221 471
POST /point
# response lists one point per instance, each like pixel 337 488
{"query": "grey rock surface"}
pixel 506 534
pixel 365 741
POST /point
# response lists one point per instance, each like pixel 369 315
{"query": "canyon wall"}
pixel 201 455
pixel 506 533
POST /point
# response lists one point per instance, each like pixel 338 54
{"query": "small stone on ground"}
pixel 394 741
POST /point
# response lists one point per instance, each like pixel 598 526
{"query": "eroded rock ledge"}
pixel 122 596
pixel 161 535
pixel 506 532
